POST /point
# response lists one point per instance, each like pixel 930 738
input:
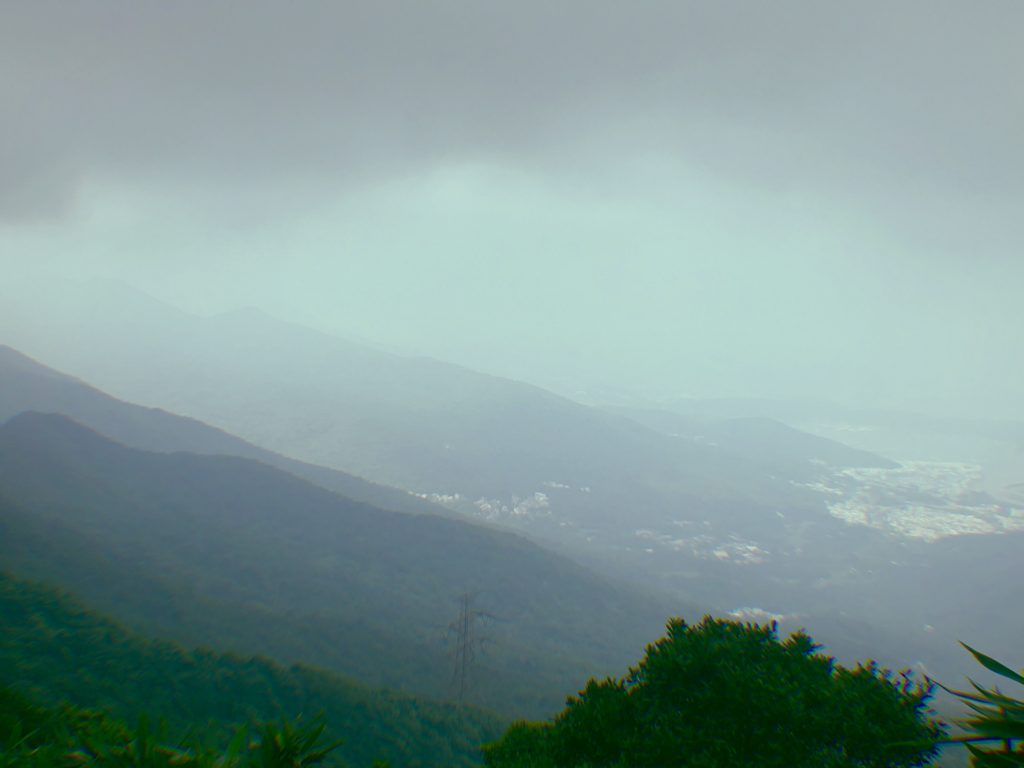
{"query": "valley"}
pixel 511 384
pixel 731 511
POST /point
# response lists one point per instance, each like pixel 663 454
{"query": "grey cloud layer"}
pixel 782 93
pixel 721 196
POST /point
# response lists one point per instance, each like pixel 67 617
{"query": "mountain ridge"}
pixel 231 532
pixel 28 385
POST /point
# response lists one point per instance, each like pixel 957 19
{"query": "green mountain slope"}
pixel 55 650
pixel 231 552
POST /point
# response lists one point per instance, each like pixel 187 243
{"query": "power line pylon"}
pixel 467 642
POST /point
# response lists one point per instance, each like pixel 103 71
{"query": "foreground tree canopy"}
pixel 68 737
pixel 722 693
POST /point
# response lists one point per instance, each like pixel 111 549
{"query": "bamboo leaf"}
pixel 983 759
pixel 1000 727
pixel 994 666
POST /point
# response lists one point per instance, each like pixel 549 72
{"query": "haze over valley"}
pixel 413 364
pixel 726 508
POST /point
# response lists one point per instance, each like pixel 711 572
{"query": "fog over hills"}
pixel 205 549
pixel 319 321
pixel 30 386
pixel 720 504
pixel 420 424
pixel 493 448
pixel 737 200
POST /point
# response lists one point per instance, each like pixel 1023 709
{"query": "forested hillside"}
pixel 233 553
pixel 54 650
pixel 522 384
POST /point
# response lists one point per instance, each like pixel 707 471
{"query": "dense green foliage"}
pixel 722 694
pixel 66 736
pixel 53 650
pixel 996 717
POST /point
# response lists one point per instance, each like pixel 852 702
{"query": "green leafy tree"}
pixel 723 693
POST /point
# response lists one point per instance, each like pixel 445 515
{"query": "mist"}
pixel 416 363
pixel 652 201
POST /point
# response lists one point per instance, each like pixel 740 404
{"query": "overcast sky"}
pixel 711 198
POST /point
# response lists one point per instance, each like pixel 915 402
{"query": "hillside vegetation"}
pixel 54 650
pixel 722 693
pixel 235 554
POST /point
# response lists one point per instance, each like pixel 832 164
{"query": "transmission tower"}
pixel 467 642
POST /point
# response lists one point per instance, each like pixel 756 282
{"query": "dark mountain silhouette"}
pixel 741 523
pixel 487 445
pixel 232 552
pixel 27 385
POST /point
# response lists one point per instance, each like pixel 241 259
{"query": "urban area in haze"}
pixel 572 384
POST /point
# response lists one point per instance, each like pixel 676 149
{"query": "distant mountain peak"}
pixel 37 425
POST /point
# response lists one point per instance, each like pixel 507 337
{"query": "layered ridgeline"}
pixel 764 442
pixel 27 385
pixel 738 514
pixel 492 447
pixel 239 555
pixel 54 650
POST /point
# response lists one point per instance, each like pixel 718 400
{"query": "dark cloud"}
pixel 840 96
pixel 714 192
